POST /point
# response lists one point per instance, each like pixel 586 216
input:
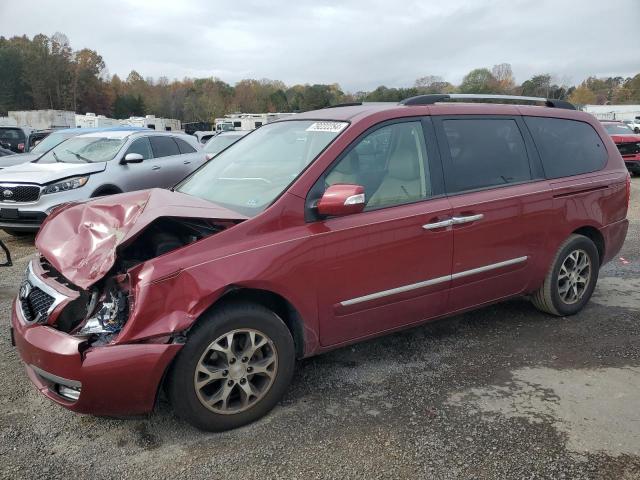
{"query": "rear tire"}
pixel 216 385
pixel 572 278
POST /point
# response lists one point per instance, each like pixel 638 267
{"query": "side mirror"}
pixel 132 158
pixel 341 199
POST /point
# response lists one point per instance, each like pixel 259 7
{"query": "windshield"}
pixel 85 149
pixel 617 129
pixel 49 142
pixel 220 142
pixel 251 174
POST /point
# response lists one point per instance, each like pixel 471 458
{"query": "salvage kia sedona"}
pixel 311 233
pixel 99 163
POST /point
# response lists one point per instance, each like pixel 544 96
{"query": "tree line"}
pixel 46 73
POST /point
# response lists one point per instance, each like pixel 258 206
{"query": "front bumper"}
pixel 112 379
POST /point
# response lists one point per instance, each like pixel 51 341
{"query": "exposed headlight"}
pixel 110 316
pixel 68 184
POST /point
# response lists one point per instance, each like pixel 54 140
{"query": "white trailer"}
pixel 153 122
pixel 247 121
pixel 44 119
pixel 91 120
pixel 613 112
pixel 8 122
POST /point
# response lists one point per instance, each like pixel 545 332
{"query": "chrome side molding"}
pixel 433 281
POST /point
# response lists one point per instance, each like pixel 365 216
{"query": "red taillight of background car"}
pixel 21 147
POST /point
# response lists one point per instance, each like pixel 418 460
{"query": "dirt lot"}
pixel 504 392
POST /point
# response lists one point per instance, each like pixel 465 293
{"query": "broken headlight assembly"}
pixel 107 315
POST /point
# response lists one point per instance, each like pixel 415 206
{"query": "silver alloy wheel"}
pixel 574 276
pixel 236 371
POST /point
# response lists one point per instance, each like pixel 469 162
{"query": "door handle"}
pixel 187 162
pixel 467 219
pixel 155 167
pixel 442 224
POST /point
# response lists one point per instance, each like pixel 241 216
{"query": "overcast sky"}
pixel 356 43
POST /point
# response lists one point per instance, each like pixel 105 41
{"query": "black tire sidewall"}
pixel 181 389
pixel 588 246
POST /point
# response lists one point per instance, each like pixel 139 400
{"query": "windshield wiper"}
pixel 78 156
pixel 55 156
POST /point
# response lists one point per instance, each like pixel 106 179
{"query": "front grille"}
pixel 36 305
pixel 629 148
pixel 19 193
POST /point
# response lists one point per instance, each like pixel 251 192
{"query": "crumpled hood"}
pixel 17 159
pixel 625 138
pixel 80 240
pixel 43 173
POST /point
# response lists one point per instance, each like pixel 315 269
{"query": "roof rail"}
pixel 348 104
pixel 435 98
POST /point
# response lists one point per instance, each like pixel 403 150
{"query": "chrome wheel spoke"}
pixel 264 366
pixel 253 345
pixel 206 375
pixel 249 393
pixel 221 396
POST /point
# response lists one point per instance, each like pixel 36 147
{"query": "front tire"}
pixel 572 278
pixel 236 365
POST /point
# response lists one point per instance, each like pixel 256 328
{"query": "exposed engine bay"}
pixel 100 312
pixel 164 235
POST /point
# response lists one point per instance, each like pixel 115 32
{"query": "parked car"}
pixel 222 140
pixel 16 139
pixel 634 125
pixel 54 139
pixel 92 165
pixel 628 144
pixel 315 232
pixel 204 137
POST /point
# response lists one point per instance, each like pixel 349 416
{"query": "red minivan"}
pixel 310 233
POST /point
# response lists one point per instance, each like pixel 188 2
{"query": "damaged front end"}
pixel 89 250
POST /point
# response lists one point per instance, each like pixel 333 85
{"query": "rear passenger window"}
pixel 164 146
pixel 485 153
pixel 567 147
pixel 184 146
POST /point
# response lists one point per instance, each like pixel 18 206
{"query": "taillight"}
pixel 21 147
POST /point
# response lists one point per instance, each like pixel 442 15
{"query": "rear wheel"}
pixel 236 365
pixel 572 278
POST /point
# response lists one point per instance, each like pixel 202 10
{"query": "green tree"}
pixel 480 80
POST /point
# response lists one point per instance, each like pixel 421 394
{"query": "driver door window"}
pixel 390 163
pixel 141 146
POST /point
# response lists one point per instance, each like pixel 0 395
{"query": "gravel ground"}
pixel 504 392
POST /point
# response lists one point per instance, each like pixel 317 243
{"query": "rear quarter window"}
pixel 184 146
pixel 567 147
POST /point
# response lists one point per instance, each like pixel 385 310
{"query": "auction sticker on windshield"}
pixel 332 127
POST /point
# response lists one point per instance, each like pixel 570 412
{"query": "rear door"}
pixel 171 165
pixel 501 205
pixel 388 266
